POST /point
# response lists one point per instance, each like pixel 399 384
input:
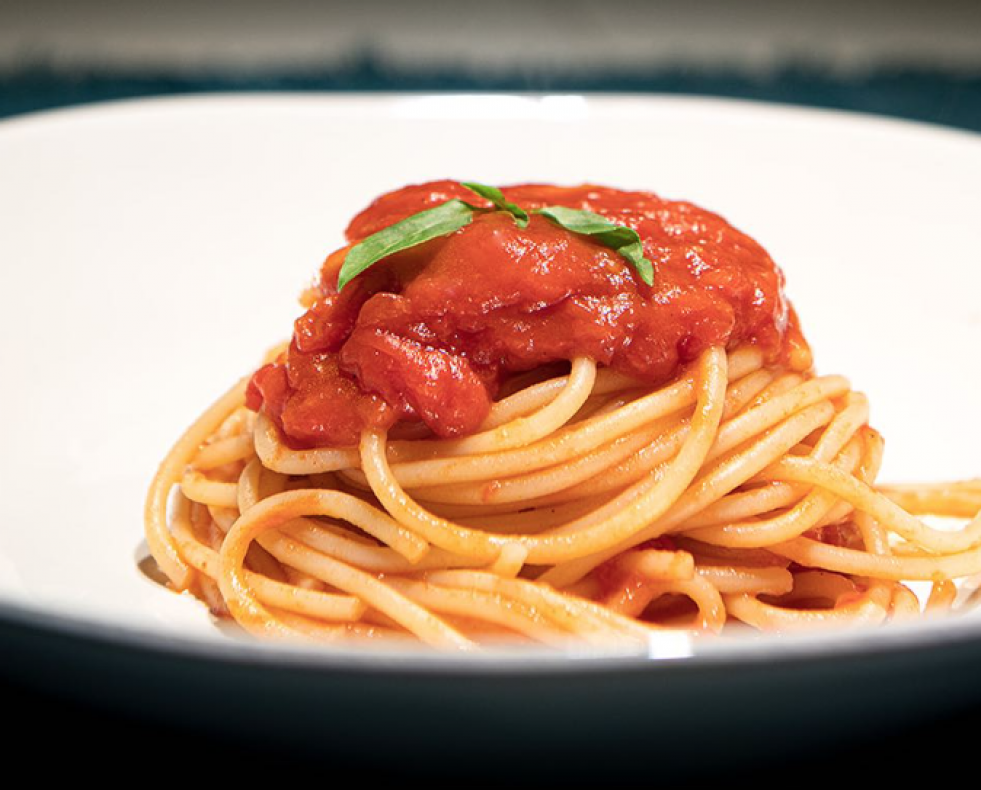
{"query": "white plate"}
pixel 152 250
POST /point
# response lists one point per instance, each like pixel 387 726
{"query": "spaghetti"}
pixel 592 504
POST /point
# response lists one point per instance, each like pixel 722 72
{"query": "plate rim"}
pixel 939 633
pixel 229 98
pixel 896 640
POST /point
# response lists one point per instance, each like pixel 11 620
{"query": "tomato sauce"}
pixel 430 333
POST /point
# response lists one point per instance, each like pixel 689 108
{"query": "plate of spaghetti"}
pixel 595 402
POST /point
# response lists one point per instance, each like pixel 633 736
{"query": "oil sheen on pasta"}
pixel 430 333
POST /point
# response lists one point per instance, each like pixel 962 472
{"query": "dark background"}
pixel 914 60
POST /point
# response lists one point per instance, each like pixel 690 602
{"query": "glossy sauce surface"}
pixel 430 333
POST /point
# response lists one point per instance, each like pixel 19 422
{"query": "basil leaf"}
pixel 624 240
pixel 409 232
pixel 495 196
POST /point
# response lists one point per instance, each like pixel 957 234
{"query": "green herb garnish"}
pixel 455 214
pixel 409 232
pixel 495 196
pixel 624 240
